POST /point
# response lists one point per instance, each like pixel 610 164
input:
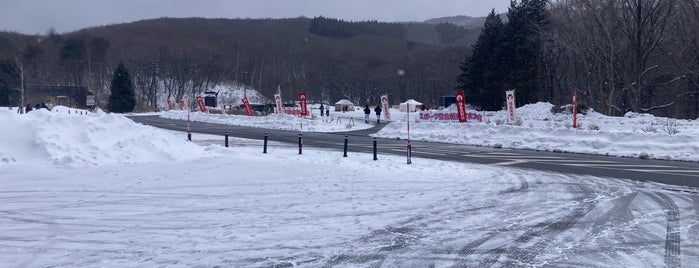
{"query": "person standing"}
pixel 321 110
pixel 367 112
pixel 378 113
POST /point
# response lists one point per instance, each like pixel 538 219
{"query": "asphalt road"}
pixel 668 172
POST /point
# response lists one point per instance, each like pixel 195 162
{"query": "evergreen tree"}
pixel 122 98
pixel 521 49
pixel 482 71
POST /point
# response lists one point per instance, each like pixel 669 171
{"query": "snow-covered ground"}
pixel 97 190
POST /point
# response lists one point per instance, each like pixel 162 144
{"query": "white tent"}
pixel 414 106
pixel 344 105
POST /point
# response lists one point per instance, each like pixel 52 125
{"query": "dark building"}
pixel 69 96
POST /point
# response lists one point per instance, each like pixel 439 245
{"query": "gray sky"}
pixel 37 16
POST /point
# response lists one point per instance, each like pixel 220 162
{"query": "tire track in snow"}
pixel 616 217
pixel 404 234
pixel 672 238
pixel 470 248
pixel 523 186
pixel 524 252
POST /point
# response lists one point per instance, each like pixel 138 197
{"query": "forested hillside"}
pixel 619 56
pixel 330 59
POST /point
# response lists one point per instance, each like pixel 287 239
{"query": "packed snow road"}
pixel 319 210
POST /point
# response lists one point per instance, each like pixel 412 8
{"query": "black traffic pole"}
pixel 410 152
pixel 300 143
pixel 375 158
pixel 226 139
pixel 264 150
pixel 345 154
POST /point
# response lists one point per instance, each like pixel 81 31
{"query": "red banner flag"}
pixel 303 103
pixel 575 111
pixel 461 106
pixel 278 101
pixel 201 104
pixel 246 103
pixel 386 111
pixel 510 97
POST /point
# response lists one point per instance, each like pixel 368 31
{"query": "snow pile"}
pixel 86 139
pixel 540 129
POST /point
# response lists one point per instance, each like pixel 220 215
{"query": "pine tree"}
pixel 482 71
pixel 521 49
pixel 122 99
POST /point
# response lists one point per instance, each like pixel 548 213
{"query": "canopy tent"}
pixel 344 105
pixel 411 104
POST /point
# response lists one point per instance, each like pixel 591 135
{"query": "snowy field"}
pixel 98 190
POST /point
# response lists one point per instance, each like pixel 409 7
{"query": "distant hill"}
pixel 464 21
pixel 329 59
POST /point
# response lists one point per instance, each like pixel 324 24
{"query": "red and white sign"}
pixel 510 97
pixel 201 104
pixel 246 103
pixel 386 111
pixel 447 116
pixel 303 103
pixel 278 101
pixel 292 111
pixel 575 111
pixel 461 106
pixel 169 104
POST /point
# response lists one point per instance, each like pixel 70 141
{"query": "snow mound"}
pixel 84 138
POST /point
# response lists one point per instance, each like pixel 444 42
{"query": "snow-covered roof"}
pixel 412 101
pixel 344 102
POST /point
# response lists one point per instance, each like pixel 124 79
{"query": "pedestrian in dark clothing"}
pixel 327 112
pixel 378 113
pixel 367 112
pixel 28 109
pixel 321 110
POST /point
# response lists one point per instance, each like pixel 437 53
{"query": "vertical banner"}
pixel 246 103
pixel 575 111
pixel 201 104
pixel 386 111
pixel 278 101
pixel 510 96
pixel 302 103
pixel 169 104
pixel 189 104
pixel 461 106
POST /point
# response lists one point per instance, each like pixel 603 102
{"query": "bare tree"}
pixel 644 24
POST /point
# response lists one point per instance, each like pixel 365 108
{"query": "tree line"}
pixel 173 58
pixel 618 55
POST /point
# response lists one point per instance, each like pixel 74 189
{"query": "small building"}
pixel 69 96
pixel 344 105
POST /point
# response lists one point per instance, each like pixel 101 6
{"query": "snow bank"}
pixel 58 137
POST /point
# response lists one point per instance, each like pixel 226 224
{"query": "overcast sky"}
pixel 37 16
